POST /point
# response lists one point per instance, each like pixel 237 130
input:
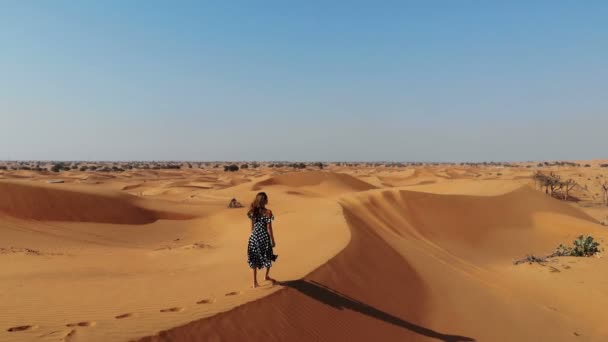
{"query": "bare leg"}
pixel 255 278
pixel 267 277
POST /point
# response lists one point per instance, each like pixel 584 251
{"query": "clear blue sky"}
pixel 308 80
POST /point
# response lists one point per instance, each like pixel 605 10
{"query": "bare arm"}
pixel 269 227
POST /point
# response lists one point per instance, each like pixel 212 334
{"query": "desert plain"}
pixel 367 252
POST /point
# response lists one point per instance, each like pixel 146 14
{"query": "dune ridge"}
pixel 335 181
pixel 408 274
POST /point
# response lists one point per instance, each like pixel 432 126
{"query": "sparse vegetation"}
pixel 58 167
pixel 604 186
pixel 553 184
pixel 298 165
pixel 231 168
pixel 583 246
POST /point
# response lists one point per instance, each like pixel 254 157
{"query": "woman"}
pixel 261 241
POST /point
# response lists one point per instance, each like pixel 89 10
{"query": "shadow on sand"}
pixel 333 298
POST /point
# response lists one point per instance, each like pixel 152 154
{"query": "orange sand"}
pixel 367 253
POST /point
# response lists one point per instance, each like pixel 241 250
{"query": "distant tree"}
pixel 568 185
pixel 84 168
pixel 93 167
pixel 604 186
pixel 57 167
pixel 244 166
pixel 587 165
pixel 255 165
pixel 231 168
pixel 550 182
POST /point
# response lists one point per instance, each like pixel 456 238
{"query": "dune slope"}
pixel 432 267
pixel 44 203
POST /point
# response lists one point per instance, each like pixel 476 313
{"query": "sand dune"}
pixel 421 267
pixel 421 254
pixel 325 182
pixel 26 201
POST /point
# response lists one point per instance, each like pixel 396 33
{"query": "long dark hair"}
pixel 258 205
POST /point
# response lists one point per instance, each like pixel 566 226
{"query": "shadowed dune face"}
pixel 41 203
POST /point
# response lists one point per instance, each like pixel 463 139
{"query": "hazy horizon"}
pixel 432 81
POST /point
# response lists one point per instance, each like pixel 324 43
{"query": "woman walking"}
pixel 261 241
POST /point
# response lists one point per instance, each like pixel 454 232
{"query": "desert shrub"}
pixel 244 166
pixel 84 168
pixel 587 165
pixel 583 246
pixel 231 168
pixel 93 168
pixel 320 165
pixel 255 165
pixel 57 167
pixel 298 165
pixel 603 165
pixel 3 167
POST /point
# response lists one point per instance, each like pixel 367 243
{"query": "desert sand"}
pixel 368 252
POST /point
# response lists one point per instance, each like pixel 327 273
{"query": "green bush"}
pixel 583 246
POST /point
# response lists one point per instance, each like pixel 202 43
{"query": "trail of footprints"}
pixel 85 324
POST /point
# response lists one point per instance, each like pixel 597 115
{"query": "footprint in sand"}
pixel 21 328
pixel 205 301
pixel 233 293
pixel 175 309
pixel 80 324
pixel 127 315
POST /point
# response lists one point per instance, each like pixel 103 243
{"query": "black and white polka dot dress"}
pixel 259 250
